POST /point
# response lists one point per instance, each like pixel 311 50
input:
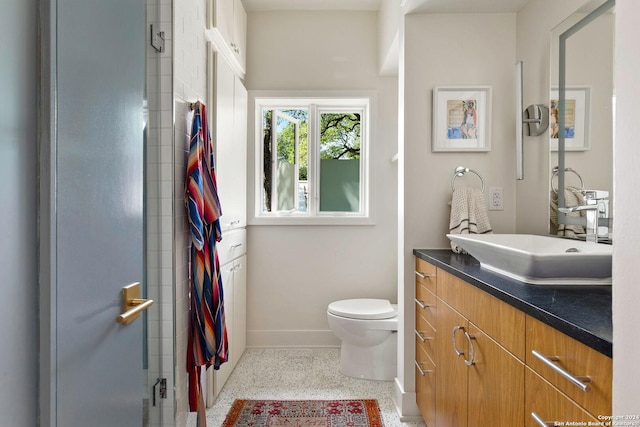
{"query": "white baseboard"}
pixel 292 338
pixel 406 405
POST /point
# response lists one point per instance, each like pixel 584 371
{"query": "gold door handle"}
pixel 132 304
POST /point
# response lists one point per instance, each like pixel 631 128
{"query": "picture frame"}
pixel 577 101
pixel 461 119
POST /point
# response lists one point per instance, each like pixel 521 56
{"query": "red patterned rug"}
pixel 304 413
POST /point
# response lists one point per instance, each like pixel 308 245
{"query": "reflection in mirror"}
pixel 581 138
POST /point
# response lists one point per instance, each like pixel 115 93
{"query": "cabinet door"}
pixel 496 384
pixel 239 158
pixel 222 18
pixel 230 152
pixel 451 371
pixel 220 376
pixel 239 42
pixel 239 338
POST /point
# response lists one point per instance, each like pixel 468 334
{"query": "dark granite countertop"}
pixel 581 312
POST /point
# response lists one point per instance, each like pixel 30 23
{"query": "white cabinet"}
pixel 228 31
pixel 229 124
pixel 228 118
pixel 239 43
pixel 233 260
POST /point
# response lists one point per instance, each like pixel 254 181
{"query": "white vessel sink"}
pixel 540 260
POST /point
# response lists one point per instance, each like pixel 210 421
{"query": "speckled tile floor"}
pixel 300 373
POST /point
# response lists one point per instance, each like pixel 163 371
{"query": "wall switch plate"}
pixel 496 199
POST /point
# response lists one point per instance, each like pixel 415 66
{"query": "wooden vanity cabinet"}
pixel 425 339
pixel 481 361
pixel 485 357
pixel 477 381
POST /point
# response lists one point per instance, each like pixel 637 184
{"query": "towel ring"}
pixel 460 171
pixel 555 174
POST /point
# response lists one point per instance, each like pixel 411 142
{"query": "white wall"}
pixel 626 292
pixel 189 85
pixel 296 271
pixel 18 228
pixel 389 19
pixel 159 215
pixel 439 53
pixel 450 50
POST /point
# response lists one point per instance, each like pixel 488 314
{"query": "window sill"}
pixel 296 220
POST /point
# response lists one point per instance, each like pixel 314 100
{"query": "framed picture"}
pixel 461 118
pixel 576 119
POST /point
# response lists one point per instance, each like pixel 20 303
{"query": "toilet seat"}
pixel 363 309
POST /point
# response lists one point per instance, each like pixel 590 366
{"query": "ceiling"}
pixel 412 6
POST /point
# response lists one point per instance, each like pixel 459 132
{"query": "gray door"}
pixel 91 214
pixel 18 233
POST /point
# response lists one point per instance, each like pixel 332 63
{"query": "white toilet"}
pixel 368 330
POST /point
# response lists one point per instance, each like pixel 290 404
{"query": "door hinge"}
pixel 163 389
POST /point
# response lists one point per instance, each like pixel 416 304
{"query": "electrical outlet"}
pixel 496 199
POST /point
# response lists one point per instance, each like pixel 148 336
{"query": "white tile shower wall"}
pixel 189 80
pixel 158 199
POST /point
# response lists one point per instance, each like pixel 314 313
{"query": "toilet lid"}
pixel 365 309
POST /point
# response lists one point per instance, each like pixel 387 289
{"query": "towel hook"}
pixel 460 171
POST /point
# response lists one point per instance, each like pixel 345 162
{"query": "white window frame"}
pixel 361 101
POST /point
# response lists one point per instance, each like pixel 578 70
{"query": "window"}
pixel 312 156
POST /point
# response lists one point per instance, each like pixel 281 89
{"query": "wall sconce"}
pixel 535 117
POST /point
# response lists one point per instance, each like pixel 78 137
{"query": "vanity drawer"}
pixel 548 404
pixel 232 245
pixel 425 275
pixel 574 358
pixel 425 386
pixel 425 336
pixel 425 303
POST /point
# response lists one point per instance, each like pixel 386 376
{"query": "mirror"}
pixel 581 139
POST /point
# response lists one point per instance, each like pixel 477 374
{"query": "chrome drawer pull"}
pixel 453 340
pixel 421 337
pixel 540 421
pixel 422 304
pixel 423 275
pixel 472 353
pixel 579 382
pixel 422 372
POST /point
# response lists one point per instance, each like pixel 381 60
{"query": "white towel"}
pixel 573 196
pixel 468 214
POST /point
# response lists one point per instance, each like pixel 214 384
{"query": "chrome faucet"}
pixel 597 206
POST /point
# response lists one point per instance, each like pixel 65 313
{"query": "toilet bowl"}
pixel 368 331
